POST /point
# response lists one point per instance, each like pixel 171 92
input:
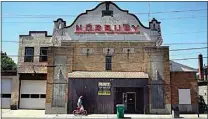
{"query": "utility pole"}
pixel 198 99
pixel 149 11
pixel 205 72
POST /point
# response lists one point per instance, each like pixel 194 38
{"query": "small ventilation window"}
pixel 43 96
pixel 5 95
pixel 34 95
pixel 25 95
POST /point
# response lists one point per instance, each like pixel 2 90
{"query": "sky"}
pixel 18 18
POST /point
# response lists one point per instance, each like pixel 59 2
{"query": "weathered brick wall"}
pixel 35 39
pixel 52 52
pixel 138 61
pixel 158 59
pixel 167 77
pixel 183 80
pixel 121 61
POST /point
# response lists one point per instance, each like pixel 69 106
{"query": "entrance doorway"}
pixel 132 98
pixel 129 101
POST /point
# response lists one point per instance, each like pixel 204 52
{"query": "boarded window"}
pixel 59 91
pixel 59 86
pixel 157 90
pixel 59 95
pixel 29 54
pixel 184 96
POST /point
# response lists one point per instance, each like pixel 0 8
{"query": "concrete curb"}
pixel 40 114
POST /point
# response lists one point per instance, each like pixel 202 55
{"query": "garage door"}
pixel 6 93
pixel 33 93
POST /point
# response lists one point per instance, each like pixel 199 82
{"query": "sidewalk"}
pixel 40 114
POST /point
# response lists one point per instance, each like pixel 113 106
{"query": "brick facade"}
pixel 35 39
pixel 138 61
pixel 184 80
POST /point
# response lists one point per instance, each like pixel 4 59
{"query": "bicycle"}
pixel 78 111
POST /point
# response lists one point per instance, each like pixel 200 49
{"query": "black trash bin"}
pixel 13 107
pixel 175 112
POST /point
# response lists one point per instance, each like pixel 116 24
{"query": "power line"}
pixel 160 12
pixel 29 22
pixel 149 11
pixel 128 20
pixel 188 32
pixel 139 35
pixel 103 54
pixel 82 63
pixel 179 18
pixel 175 33
pixel 142 35
pixel 188 43
pixel 188 49
pixel 116 53
pixel 174 11
pixel 186 58
pixel 183 17
pixel 186 54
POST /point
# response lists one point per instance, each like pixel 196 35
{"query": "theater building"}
pixel 106 55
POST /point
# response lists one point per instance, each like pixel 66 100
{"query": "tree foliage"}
pixel 7 63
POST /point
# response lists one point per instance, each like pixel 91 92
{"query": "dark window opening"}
pixel 43 96
pixel 43 54
pixel 107 12
pixel 25 95
pixel 154 26
pixel 29 54
pixel 108 63
pixel 34 96
pixel 5 95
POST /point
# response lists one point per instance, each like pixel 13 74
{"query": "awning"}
pixel 82 74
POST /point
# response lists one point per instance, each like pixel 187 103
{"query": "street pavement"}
pixel 40 114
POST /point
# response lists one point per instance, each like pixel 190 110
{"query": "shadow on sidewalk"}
pixel 126 118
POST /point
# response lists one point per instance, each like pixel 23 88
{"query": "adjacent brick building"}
pixel 183 78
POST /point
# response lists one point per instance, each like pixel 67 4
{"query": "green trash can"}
pixel 120 110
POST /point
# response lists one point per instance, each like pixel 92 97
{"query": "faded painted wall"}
pixel 120 17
